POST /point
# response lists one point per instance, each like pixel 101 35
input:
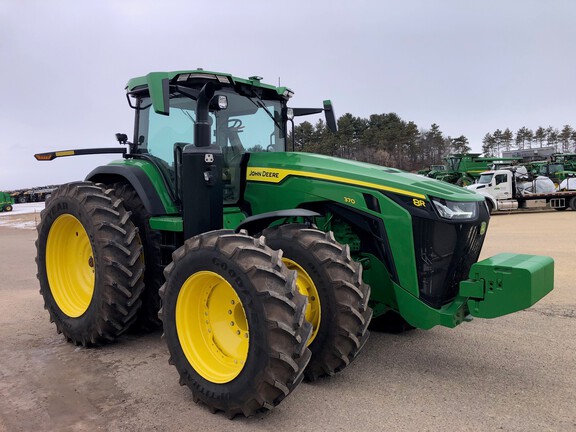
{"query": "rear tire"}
pixel 573 203
pixel 147 319
pixel 234 323
pixel 90 263
pixel 340 313
pixel 8 208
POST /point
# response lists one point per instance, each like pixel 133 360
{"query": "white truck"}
pixel 505 189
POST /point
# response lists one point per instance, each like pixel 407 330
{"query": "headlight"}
pixel 454 210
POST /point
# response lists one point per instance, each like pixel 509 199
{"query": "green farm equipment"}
pixel 266 266
pixel 567 159
pixel 555 171
pixel 463 169
pixel 6 202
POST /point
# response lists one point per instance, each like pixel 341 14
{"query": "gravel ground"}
pixel 515 373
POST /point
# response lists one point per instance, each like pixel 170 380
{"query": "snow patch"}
pixel 23 216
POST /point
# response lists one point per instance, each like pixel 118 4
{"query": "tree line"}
pixel 382 139
pixel 388 140
pixel 564 140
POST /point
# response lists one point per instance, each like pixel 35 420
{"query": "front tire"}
pixel 234 323
pixel 337 296
pixel 90 263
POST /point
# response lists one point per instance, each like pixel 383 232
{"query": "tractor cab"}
pixel 199 109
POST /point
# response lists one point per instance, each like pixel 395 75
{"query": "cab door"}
pixel 502 186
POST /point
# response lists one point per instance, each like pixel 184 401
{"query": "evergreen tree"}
pixel 497 137
pixel 552 137
pixel 488 145
pixel 437 141
pixel 540 136
pixel 573 140
pixel 564 138
pixel 459 145
pixel 524 138
pixel 507 137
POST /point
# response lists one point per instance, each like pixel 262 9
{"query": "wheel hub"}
pixel 70 265
pixel 307 288
pixel 212 327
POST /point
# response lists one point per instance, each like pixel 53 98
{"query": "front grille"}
pixel 444 254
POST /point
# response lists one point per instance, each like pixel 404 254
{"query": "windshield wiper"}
pixel 260 103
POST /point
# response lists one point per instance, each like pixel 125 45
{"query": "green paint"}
pixel 375 274
pixel 511 282
pixel 233 217
pixel 167 223
pixel 156 179
pixel 373 176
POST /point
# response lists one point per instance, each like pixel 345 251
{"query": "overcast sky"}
pixel 469 66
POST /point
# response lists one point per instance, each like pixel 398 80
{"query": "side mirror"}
pixel 328 112
pixel 159 88
pixel 330 116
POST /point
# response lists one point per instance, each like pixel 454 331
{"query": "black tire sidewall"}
pixel 153 275
pixel 213 260
pixel 57 207
pixel 321 278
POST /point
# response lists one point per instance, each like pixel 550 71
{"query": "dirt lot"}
pixel 516 373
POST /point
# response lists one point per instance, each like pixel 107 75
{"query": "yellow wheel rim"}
pixel 307 287
pixel 70 265
pixel 212 327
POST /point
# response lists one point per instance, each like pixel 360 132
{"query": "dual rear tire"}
pixel 90 264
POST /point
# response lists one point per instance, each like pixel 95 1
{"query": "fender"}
pixel 139 181
pixel 257 223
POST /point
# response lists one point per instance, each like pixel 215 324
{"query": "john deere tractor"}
pixel 6 202
pixel 263 266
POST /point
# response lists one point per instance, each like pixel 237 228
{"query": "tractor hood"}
pixel 273 167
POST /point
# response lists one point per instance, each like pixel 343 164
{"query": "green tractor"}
pixel 6 202
pixel 463 169
pixel 264 266
pixel 555 171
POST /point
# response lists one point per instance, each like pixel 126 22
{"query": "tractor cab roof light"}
pixel 222 102
pixel 193 76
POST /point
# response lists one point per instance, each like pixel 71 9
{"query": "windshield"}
pixel 243 126
pixel 554 168
pixel 485 178
pixel 453 164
